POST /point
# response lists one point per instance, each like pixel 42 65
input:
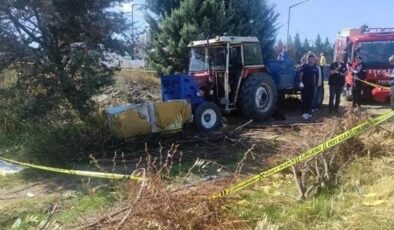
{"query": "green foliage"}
pixel 160 7
pixel 306 46
pixel 318 46
pixel 199 19
pixel 328 50
pixel 73 208
pixel 297 48
pixel 58 47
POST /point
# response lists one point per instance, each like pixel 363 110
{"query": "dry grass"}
pixel 360 197
pixel 321 171
pixel 161 203
pixel 144 77
pixel 365 199
pixel 8 78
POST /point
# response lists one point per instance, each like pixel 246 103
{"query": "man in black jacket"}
pixel 358 74
pixel 308 76
pixel 336 82
pixel 391 75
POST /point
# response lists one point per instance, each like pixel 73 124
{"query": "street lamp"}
pixel 288 19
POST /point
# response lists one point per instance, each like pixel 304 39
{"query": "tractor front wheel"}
pixel 207 117
pixel 258 97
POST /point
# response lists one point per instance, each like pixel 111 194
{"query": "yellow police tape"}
pixel 373 84
pixel 112 176
pixel 307 155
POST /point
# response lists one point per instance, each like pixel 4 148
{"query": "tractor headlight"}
pixel 200 93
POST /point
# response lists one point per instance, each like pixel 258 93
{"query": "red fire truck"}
pixel 375 46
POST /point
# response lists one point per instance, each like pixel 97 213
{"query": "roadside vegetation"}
pixel 53 89
pixel 176 194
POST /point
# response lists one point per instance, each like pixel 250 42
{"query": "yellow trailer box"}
pixel 140 119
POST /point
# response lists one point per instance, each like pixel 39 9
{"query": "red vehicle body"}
pixel 230 74
pixel 375 46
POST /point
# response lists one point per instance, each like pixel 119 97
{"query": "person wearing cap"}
pixel 308 76
pixel 358 74
pixel 336 81
pixel 391 61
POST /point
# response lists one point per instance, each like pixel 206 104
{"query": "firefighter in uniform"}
pixel 358 74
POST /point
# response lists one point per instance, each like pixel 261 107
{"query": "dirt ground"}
pixel 226 147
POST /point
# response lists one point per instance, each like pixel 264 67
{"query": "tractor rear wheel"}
pixel 258 97
pixel 207 117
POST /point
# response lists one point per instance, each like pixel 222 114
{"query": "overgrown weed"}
pixel 143 77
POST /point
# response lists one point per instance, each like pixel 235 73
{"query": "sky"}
pixel 328 17
pixel 138 12
pixel 324 17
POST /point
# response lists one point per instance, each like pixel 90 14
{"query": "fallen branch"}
pixel 239 128
pixel 121 223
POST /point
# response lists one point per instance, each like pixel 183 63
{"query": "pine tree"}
pixel 298 48
pixel 257 18
pixel 63 42
pixel 328 50
pixel 199 19
pixel 279 47
pixel 306 47
pixel 318 46
pixel 162 7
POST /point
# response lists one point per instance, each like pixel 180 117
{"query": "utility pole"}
pixel 288 19
pixel 132 29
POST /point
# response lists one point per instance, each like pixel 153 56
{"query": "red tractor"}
pixel 375 46
pixel 228 74
pixel 225 74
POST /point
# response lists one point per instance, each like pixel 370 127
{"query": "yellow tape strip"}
pixel 113 176
pixel 373 84
pixel 307 155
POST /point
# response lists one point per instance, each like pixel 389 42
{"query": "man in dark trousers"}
pixel 358 74
pixel 391 75
pixel 336 82
pixel 308 76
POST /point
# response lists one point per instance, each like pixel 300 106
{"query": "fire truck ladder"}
pixel 379 30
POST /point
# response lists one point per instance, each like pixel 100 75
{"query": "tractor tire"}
pixel 258 97
pixel 207 117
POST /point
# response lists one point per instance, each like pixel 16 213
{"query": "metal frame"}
pixel 228 42
pixel 223 40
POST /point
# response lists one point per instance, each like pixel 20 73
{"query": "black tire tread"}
pixel 247 102
pixel 198 112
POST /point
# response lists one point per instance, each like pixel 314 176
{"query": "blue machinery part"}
pixel 176 87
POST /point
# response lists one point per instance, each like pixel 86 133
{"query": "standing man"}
pixel 336 82
pixel 391 61
pixel 319 92
pixel 308 76
pixel 358 74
